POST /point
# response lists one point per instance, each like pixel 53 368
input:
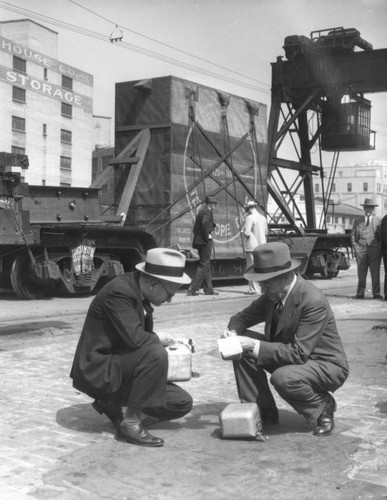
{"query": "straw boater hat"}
pixel 165 264
pixel 369 202
pixel 250 204
pixel 271 260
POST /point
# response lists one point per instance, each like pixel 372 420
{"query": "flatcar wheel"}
pixel 21 280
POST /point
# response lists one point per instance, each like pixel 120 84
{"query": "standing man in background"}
pixel 255 232
pixel 202 241
pixel 367 247
pixel 383 239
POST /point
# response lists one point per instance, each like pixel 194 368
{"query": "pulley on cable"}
pixel 116 35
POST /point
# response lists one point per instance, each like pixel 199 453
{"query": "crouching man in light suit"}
pixel 301 347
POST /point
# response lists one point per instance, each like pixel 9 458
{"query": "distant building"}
pixel 339 216
pixel 102 132
pixel 46 106
pixel 356 182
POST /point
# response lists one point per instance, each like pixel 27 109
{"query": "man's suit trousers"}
pixel 368 258
pixel 144 384
pixel 304 387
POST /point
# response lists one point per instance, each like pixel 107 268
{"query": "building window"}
pixel 65 163
pixel 67 110
pixel 328 219
pixel 340 173
pixel 19 65
pixel 67 83
pixel 316 188
pixel 365 186
pixel 45 73
pixel 334 187
pixel 65 171
pixel 94 168
pixel 18 94
pixel 378 187
pixel 16 150
pixel 106 160
pixel 18 124
pixel 349 187
pixel 44 128
pixel 65 136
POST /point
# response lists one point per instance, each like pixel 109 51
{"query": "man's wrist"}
pixel 254 351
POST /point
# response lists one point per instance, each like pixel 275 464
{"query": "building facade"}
pixel 339 216
pixel 356 182
pixel 46 106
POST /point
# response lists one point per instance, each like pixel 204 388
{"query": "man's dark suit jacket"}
pixel 203 227
pixel 114 324
pixel 358 242
pixel 306 329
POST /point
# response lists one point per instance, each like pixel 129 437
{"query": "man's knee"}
pixel 284 380
pixel 152 357
pixel 182 404
pixel 157 352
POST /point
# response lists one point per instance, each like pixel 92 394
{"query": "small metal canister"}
pixel 241 420
pixel 180 362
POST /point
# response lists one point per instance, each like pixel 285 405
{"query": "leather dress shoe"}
pixel 136 434
pixel 358 297
pixel 111 410
pixel 191 292
pixel 325 422
pixel 270 415
pixel 212 293
pixel 378 297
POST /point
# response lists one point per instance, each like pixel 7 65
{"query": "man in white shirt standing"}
pixel 255 232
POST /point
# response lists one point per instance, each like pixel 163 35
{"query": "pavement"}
pixel 55 446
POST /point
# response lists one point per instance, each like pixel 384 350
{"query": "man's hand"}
pixel 228 333
pixel 249 345
pixel 166 339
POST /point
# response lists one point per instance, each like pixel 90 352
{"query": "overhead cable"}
pixel 168 46
pixel 128 46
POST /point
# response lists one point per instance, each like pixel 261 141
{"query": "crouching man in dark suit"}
pixel 120 361
pixel 301 347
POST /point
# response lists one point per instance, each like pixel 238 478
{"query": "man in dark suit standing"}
pixel 202 241
pixel 300 347
pixel 120 361
pixel 366 244
pixel 383 240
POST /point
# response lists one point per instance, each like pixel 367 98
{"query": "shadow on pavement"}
pixel 83 418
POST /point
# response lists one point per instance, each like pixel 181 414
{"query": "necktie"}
pixel 148 315
pixel 368 220
pixel 274 322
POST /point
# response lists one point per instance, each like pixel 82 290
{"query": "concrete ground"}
pixel 55 446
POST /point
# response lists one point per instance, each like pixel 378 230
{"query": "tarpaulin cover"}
pixel 178 170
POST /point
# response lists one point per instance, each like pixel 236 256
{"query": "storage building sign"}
pixel 48 89
pixel 45 61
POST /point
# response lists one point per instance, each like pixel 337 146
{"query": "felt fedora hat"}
pixel 271 260
pixel 369 202
pixel 165 264
pixel 250 204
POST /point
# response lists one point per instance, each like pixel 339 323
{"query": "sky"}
pixel 225 44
